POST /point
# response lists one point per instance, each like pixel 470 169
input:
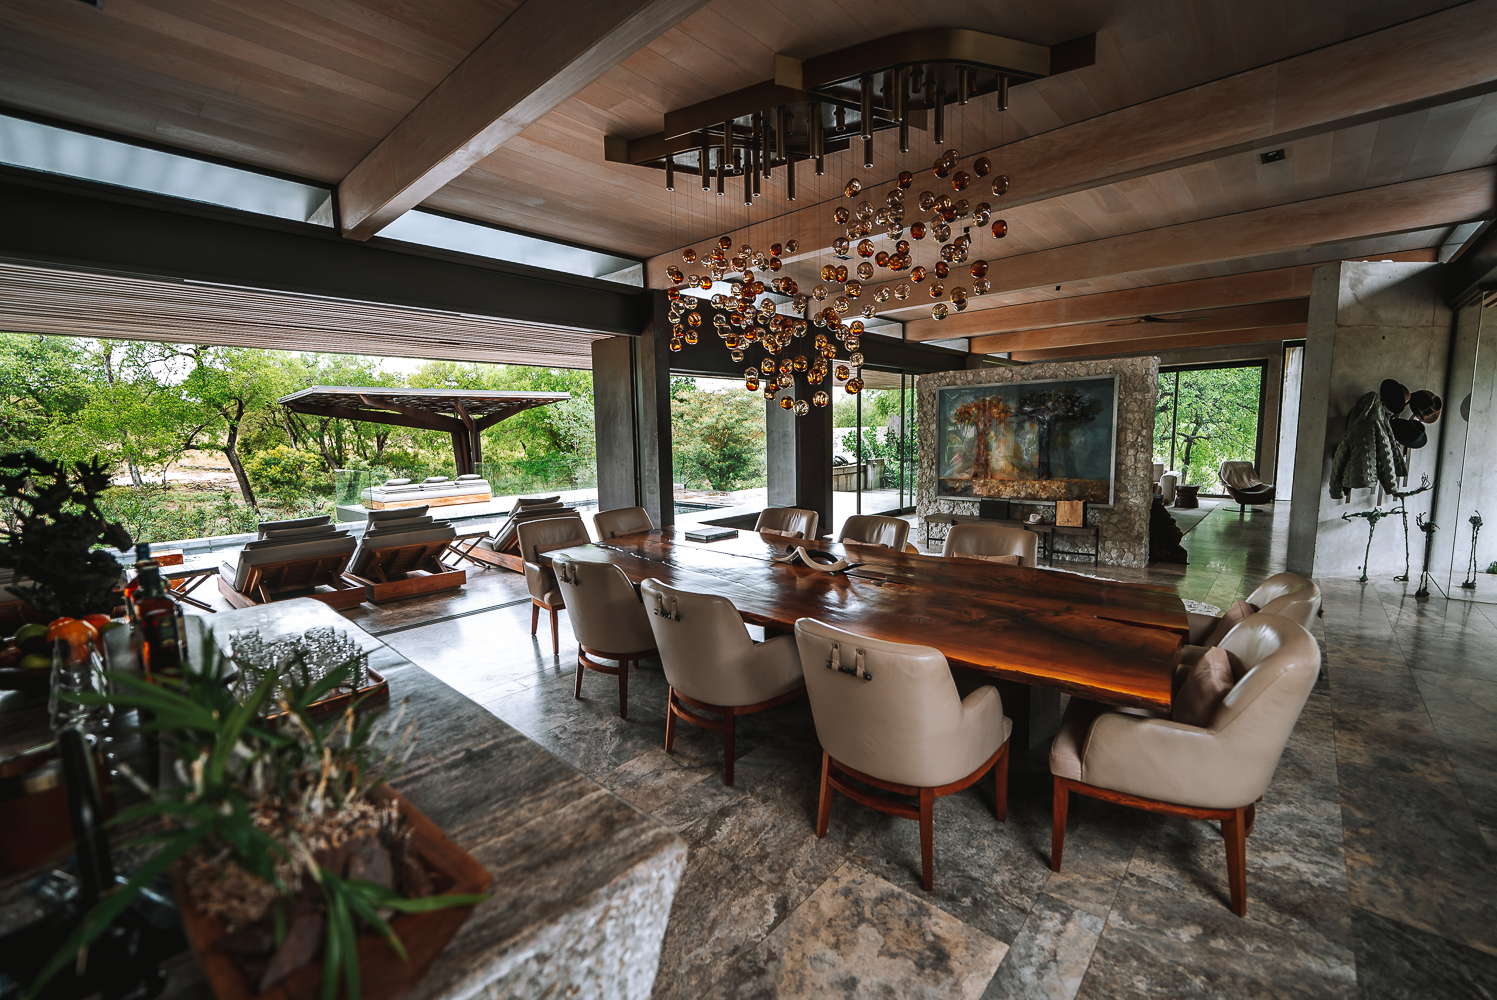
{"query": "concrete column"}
pixel 1368 322
pixel 632 419
pixel 613 422
pixel 798 459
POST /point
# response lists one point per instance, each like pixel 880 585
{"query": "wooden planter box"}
pixel 385 976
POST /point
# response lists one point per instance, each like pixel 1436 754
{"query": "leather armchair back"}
pixel 706 650
pixel 892 710
pixel 621 521
pixel 539 580
pixel 1289 595
pixel 1229 762
pixel 789 520
pixel 606 613
pixel 992 540
pixel 875 529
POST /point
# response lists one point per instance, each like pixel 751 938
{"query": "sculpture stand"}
pixel 1470 581
pixel 1373 516
pixel 1429 528
pixel 1424 484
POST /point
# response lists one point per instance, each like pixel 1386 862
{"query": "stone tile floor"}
pixel 1372 870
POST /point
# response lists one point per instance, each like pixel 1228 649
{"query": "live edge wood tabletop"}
pixel 1112 642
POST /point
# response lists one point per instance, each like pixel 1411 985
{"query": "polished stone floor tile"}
pixel 1399 962
pixel 1462 710
pixel 1162 943
pixel 1050 955
pixel 1373 862
pixel 858 936
pixel 720 911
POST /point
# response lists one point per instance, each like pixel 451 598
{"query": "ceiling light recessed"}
pixel 1272 156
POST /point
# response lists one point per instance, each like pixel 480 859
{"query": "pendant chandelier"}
pixel 799 343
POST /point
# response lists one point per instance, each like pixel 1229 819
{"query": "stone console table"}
pixel 583 881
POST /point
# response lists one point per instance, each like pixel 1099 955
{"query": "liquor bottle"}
pixel 142 556
pixel 160 628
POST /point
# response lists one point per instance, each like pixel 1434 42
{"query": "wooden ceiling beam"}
pixel 1420 63
pixel 1223 320
pixel 1105 307
pixel 1426 203
pixel 1154 345
pixel 1225 290
pixel 529 65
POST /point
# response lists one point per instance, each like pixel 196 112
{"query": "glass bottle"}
pixel 160 625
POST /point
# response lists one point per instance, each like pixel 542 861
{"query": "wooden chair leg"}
pixel 623 689
pixel 535 616
pixel 1000 772
pixel 1234 832
pixel 1252 817
pixel 728 718
pixel 1058 823
pixel 577 685
pixel 927 838
pixel 555 636
pixel 824 804
pixel 670 719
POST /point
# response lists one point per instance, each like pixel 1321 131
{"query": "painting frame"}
pixel 944 407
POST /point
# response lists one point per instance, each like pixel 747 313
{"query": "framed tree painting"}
pixel 1031 441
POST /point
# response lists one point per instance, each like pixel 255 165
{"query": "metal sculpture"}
pixel 1373 516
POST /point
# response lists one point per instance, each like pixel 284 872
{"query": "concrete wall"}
pixel 1124 529
pixel 1368 322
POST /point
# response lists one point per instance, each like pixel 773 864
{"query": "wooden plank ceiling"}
pixel 1139 172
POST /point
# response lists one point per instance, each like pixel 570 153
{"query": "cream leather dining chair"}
pixel 889 715
pixel 793 521
pixel 1287 594
pixel 711 663
pixel 875 529
pixel 548 533
pixel 1215 771
pixel 608 620
pixel 621 521
pixel 992 541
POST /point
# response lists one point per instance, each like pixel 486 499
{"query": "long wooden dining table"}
pixel 1111 642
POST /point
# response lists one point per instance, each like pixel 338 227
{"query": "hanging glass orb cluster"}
pixel 747 315
pixel 933 217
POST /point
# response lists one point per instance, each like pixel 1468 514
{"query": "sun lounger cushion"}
pixel 295 522
pixel 370 544
pixel 396 482
pixel 310 531
pixel 469 475
pixel 276 550
pixel 435 479
pixel 396 513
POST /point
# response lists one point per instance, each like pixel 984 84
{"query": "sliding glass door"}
pixel 1206 416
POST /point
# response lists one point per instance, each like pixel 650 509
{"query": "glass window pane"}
pixel 1216 420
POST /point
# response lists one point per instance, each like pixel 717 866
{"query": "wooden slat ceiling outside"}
pixel 308 87
pixel 86 304
pixel 476 404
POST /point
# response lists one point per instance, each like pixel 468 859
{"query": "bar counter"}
pixel 583 881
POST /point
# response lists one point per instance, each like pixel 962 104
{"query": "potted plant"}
pixel 56 533
pixel 296 867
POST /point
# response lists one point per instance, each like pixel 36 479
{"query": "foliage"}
pixel 981 414
pixel 54 542
pixel 718 437
pixel 140 406
pixel 1216 420
pixel 286 473
pixel 263 796
pixel 152 514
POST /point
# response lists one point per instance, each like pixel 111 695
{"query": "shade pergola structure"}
pixel 463 413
